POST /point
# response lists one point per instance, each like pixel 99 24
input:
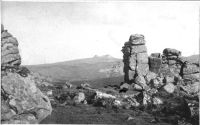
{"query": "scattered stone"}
pixel 157 101
pixel 155 83
pixel 80 97
pixel 168 79
pixel 124 87
pixel 137 87
pixel 169 87
pixel 140 81
pixel 68 85
pixel 85 85
pixel 150 75
pixel 130 118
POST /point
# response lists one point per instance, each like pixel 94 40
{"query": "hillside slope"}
pixel 82 69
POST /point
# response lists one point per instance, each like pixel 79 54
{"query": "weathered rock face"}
pixel 161 79
pixel 22 102
pixel 135 57
pixel 9 50
pixel 155 62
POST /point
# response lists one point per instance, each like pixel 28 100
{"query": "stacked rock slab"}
pixel 155 62
pixel 172 59
pixel 135 57
pixel 190 72
pixel 21 101
pixel 171 56
pixel 9 50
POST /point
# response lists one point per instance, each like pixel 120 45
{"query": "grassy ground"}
pixel 87 114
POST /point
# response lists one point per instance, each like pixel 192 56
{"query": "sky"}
pixel 50 32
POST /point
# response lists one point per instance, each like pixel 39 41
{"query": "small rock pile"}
pixel 135 57
pixel 21 101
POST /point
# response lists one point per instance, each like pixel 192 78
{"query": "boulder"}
pixel 157 101
pixel 156 55
pixel 169 51
pixel 142 58
pixel 172 57
pixel 80 97
pixel 142 69
pixel 138 49
pixel 140 80
pixel 131 75
pixel 171 62
pixel 25 97
pixel 156 83
pixel 125 86
pixel 149 76
pixel 137 87
pixel 22 102
pixel 137 39
pixel 146 99
pixel 68 85
pixel 168 79
pixel 169 87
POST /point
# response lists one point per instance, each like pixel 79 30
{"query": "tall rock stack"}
pixel 135 57
pixel 21 101
pixel 10 57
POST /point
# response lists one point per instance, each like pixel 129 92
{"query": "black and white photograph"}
pixel 100 62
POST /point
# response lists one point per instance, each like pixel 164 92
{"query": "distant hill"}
pixel 85 69
pixel 192 59
pixel 82 69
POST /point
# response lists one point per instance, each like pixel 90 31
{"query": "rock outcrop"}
pixel 10 57
pixel 135 57
pixel 21 101
pixel 165 81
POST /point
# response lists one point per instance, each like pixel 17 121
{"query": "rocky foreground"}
pixel 164 86
pixel 21 101
pixel 158 89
